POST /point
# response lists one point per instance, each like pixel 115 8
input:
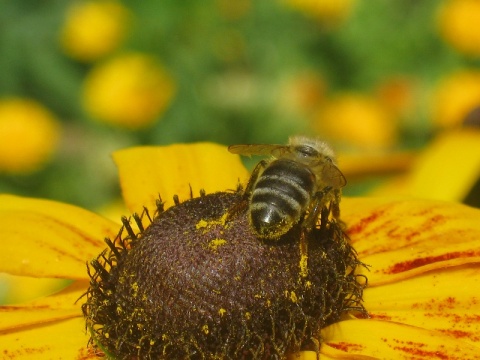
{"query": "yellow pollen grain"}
pixel 303 265
pixel 248 315
pixel 208 224
pixel 293 297
pixel 222 311
pixel 107 335
pixel 202 224
pixel 216 243
pixel 308 284
pixel 135 289
pixel 205 329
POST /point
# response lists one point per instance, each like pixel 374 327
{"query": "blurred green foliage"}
pixel 229 72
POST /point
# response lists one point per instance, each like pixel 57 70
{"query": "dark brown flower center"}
pixel 193 285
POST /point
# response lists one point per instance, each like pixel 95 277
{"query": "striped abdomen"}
pixel 280 197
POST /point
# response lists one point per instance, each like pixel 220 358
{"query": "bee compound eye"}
pixel 306 151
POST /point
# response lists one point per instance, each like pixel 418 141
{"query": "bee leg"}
pixel 243 204
pixel 317 205
pixel 335 203
pixel 253 178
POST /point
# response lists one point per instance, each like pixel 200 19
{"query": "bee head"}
pixel 311 148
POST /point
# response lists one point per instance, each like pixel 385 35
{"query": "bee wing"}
pixel 258 149
pixel 332 176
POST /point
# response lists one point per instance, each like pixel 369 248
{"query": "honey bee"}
pixel 294 185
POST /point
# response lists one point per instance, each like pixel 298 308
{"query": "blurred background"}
pixel 393 85
pixel 80 79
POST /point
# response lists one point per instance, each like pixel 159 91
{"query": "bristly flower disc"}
pixel 193 285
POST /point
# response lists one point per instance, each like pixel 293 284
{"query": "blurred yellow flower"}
pixel 330 12
pixel 399 94
pixel 131 91
pixel 234 10
pixel 93 29
pixel 358 121
pixel 29 135
pixel 455 97
pixel 458 25
pixel 302 93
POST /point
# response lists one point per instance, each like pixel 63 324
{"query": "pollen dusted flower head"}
pixel 456 96
pixel 458 25
pixel 29 135
pixel 131 91
pixel 194 285
pixel 93 29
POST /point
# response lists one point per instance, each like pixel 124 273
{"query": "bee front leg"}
pixel 318 204
pixel 335 203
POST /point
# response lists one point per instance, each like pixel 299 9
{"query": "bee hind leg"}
pixel 318 205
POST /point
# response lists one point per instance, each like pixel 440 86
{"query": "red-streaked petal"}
pixel 374 339
pixel 147 172
pixel 404 238
pixel 42 238
pixel 63 339
pixel 62 305
pixel 445 300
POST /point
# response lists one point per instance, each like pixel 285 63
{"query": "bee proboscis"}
pixel 300 178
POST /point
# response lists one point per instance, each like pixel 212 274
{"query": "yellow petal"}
pixel 446 170
pixel 449 167
pixel 42 238
pixel 64 299
pixel 147 172
pixel 12 316
pixel 64 339
pixel 357 165
pixel 403 238
pixel 445 300
pixel 373 339
pixel 62 305
pixel 20 289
